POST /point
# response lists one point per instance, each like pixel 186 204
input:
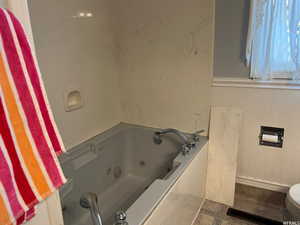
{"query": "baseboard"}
pixel 272 186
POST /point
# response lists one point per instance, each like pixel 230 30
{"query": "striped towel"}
pixel 29 139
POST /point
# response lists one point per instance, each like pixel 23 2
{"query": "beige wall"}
pixel 78 53
pixel 166 62
pixel 269 107
pixel 3 3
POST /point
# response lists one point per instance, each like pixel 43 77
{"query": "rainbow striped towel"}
pixel 29 139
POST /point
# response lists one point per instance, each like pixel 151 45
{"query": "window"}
pixel 273 45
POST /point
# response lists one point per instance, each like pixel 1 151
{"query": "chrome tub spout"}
pixel 90 201
pixel 158 134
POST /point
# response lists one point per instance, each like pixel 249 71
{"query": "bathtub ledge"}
pixel 140 211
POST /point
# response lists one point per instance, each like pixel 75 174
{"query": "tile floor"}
pixel 256 201
pixel 261 202
pixel 213 213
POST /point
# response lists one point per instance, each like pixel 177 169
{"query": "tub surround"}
pixel 152 64
pixel 165 55
pixel 78 54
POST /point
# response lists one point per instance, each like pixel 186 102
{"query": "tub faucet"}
pixel 158 134
pixel 120 218
pixel 188 143
pixel 90 201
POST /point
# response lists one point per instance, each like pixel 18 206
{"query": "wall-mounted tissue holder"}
pixel 271 136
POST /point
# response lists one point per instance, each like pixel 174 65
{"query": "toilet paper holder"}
pixel 271 136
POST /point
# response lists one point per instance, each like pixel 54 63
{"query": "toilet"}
pixel 293 201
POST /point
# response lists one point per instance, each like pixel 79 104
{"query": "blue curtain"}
pixel 273 47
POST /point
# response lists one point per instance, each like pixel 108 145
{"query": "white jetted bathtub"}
pixel 152 183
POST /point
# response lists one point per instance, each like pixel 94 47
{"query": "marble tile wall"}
pixel 165 51
pixel 223 153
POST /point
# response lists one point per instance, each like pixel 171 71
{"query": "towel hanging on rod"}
pixel 29 139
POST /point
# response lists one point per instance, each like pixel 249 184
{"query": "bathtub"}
pixel 129 172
